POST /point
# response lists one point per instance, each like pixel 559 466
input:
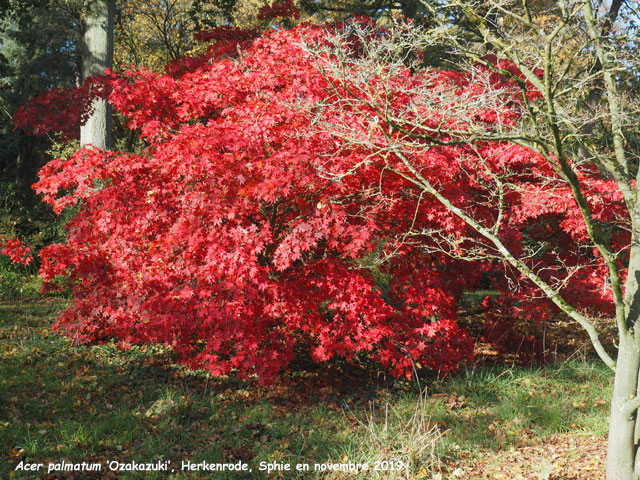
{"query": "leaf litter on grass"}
pixel 557 457
pixel 493 423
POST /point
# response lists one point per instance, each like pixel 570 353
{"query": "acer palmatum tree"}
pixel 541 119
pixel 222 240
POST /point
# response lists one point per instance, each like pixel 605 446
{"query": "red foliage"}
pixel 226 42
pixel 228 239
pixel 279 9
pixel 15 250
pixel 62 109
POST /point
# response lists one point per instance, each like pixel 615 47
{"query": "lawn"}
pixel 98 405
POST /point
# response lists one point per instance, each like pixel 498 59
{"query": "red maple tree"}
pixel 249 229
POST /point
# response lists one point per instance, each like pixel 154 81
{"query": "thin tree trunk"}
pixel 97 53
pixel 623 461
pixel 621 449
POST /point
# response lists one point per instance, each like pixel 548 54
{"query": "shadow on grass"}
pixel 97 404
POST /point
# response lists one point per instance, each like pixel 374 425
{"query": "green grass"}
pixel 18 281
pixel 97 404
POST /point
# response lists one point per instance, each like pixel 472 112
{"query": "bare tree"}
pixel 573 73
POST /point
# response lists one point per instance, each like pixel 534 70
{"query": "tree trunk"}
pixel 97 55
pixel 623 461
pixel 621 449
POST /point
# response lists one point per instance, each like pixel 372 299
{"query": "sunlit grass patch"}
pixel 79 403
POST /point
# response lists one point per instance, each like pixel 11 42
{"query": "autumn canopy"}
pixel 253 228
